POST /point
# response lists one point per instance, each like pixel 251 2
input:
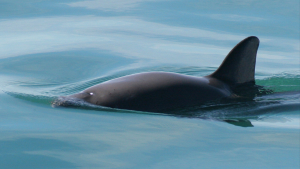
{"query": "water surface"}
pixel 53 48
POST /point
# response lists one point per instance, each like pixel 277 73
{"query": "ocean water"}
pixel 51 48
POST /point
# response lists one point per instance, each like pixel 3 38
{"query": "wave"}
pixel 285 97
pixel 283 82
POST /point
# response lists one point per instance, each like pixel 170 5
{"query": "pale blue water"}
pixel 53 48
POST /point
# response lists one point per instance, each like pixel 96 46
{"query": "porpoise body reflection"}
pixel 163 91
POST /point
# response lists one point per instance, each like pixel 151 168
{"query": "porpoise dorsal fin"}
pixel 239 65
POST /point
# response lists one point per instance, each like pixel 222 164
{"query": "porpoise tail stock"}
pixel 163 91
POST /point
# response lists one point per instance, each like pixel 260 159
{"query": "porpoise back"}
pixel 163 91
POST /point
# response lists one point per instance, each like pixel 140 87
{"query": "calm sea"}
pixel 50 48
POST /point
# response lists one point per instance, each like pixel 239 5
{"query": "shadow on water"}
pixel 240 112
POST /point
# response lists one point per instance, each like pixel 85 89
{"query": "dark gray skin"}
pixel 155 91
pixel 162 91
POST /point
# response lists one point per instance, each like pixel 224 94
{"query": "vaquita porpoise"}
pixel 163 91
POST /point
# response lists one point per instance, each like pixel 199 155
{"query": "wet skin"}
pixel 163 91
pixel 155 91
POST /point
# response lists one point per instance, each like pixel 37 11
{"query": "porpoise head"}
pixel 74 100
